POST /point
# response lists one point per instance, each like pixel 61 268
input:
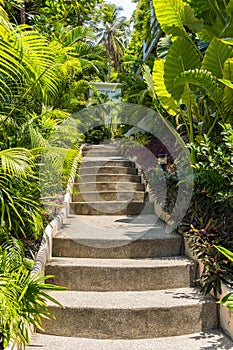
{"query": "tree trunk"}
pixel 23 14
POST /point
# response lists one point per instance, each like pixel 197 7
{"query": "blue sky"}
pixel 127 5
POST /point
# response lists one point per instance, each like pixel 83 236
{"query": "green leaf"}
pixel 149 81
pixel 164 96
pixel 163 46
pixel 203 80
pixel 216 55
pixel 174 15
pixel 78 34
pixel 225 252
pixel 189 20
pixel 170 14
pixel 188 97
pixel 228 41
pixel 227 300
pixel 226 82
pixel 181 57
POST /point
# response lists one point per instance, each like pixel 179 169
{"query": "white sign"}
pixel 112 90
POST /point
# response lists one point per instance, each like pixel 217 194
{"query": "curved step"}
pixel 209 340
pixel 107 170
pixel 109 178
pixel 111 208
pixel 109 196
pixel 115 237
pixel 131 315
pixel 108 186
pixel 104 152
pixel 121 274
pixel 89 162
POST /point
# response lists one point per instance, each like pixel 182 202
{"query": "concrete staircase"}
pixel 128 285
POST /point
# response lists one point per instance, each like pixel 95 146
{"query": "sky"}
pixel 127 5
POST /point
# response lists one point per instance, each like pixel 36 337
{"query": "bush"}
pixel 209 220
pixel 98 135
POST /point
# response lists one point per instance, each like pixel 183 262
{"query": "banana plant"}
pixel 186 82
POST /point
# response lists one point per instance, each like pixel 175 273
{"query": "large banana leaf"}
pixel 164 96
pixel 217 16
pixel 228 90
pixel 215 57
pixel 174 15
pixel 181 57
pixel 205 9
pixel 202 80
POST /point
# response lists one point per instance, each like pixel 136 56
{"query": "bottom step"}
pixel 197 341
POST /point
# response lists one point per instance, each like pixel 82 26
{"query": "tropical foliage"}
pixel 188 82
pixel 37 75
pixel 191 85
pixel 23 295
pixel 227 300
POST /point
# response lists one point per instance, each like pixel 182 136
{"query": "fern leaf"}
pixel 78 34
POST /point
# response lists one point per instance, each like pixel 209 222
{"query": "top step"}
pixel 109 146
pixel 100 150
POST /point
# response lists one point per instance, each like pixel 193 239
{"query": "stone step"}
pixel 93 162
pixel 102 146
pixel 131 315
pixel 119 237
pixel 209 340
pixel 111 208
pixel 107 170
pixel 121 274
pixel 104 152
pixel 108 186
pixel 110 196
pixel 109 178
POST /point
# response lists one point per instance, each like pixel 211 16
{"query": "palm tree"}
pixel 113 32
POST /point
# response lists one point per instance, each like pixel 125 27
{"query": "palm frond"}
pixel 16 161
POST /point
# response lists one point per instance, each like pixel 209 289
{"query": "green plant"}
pixel 98 134
pixel 208 221
pixel 227 300
pixel 187 83
pixel 23 295
pixel 21 211
pixel 214 166
pixel 202 240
